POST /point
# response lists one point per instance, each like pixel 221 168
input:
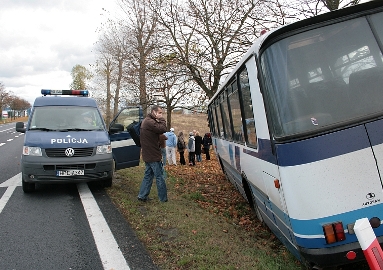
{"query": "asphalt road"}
pixel 65 226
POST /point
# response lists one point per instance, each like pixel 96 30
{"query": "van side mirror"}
pixel 115 128
pixel 20 127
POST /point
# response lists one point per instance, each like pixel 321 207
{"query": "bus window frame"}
pixel 232 82
pixel 244 124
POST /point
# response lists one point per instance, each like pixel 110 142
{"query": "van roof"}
pixel 64 101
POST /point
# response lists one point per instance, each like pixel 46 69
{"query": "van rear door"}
pixel 125 152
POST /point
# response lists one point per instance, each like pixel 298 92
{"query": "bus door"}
pixel 125 152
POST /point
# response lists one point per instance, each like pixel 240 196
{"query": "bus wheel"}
pixel 28 187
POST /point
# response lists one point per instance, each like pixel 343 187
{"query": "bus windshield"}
pixel 323 78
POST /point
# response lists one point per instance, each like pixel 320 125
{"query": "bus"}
pixel 297 127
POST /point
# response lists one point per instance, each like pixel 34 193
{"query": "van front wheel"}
pixel 28 187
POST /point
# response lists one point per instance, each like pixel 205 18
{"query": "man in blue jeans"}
pixel 151 128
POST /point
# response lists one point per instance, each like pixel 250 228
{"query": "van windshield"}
pixel 64 118
pixel 324 78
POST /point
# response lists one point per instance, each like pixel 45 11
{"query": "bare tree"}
pixel 113 55
pixel 4 97
pixel 142 24
pixel 18 105
pixel 80 76
pixel 172 88
pixel 208 36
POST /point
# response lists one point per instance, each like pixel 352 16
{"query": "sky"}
pixel 42 40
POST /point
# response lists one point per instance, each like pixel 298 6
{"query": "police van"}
pixel 66 140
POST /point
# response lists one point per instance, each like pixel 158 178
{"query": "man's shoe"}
pixel 143 200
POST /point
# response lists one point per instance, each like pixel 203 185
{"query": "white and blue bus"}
pixel 297 127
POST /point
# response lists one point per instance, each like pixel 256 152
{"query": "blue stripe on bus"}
pixel 323 147
pixel 309 233
pixel 314 226
pixel 321 242
pixel 375 132
pixel 264 151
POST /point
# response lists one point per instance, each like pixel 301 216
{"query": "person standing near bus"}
pixel 206 142
pixel 198 143
pixel 191 149
pixel 171 144
pixel 181 146
pixel 151 128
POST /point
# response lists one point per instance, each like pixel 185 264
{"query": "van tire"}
pixel 28 187
pixel 108 182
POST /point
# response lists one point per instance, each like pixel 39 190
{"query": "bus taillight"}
pixel 334 232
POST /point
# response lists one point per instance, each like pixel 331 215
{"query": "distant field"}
pixel 189 122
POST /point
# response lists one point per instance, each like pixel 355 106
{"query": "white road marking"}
pixel 2 144
pixel 9 140
pixel 11 185
pixel 6 129
pixel 108 249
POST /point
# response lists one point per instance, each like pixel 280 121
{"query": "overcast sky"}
pixel 42 40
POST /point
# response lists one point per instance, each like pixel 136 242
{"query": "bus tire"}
pixel 256 209
pixel 251 198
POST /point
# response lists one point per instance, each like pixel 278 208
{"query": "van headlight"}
pixel 31 151
pixel 104 149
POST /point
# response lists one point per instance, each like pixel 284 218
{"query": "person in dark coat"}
pixel 151 128
pixel 206 142
pixel 198 144
pixel 191 149
pixel 181 146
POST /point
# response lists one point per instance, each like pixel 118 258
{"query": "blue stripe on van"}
pixel 323 147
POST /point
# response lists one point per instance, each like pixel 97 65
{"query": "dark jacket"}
pixel 162 141
pixel 198 143
pixel 182 140
pixel 151 129
pixel 207 141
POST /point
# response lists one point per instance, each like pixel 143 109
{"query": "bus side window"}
pixel 225 116
pixel 248 116
pixel 235 110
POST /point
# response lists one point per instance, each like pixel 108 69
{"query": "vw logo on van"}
pixel 69 152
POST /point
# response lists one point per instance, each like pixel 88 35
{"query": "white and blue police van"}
pixel 66 140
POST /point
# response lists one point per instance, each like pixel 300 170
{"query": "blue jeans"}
pixel 153 169
pixel 163 152
pixel 199 158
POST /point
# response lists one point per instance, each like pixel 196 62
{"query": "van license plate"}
pixel 70 172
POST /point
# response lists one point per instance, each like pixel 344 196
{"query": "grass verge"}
pixel 205 225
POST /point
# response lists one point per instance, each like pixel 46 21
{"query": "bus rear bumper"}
pixel 334 256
